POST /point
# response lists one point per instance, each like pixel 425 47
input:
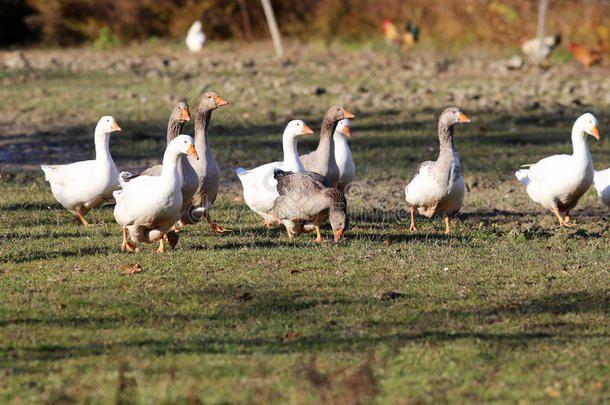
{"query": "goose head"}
pixel 211 101
pixel 343 127
pixel 196 27
pixel 181 112
pixel 107 124
pixel 183 144
pixel 337 113
pixel 452 116
pixel 296 128
pixel 587 124
pixel 337 215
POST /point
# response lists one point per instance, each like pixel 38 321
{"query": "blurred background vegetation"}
pixel 73 22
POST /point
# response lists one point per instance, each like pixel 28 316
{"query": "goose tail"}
pixel 522 176
pixel 126 177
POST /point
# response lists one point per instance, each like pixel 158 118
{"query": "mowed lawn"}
pixel 510 308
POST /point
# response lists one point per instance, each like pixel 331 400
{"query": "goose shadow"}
pixel 429 327
pixel 26 257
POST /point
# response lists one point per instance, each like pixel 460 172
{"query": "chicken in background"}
pixel 535 53
pixel 195 38
pixel 586 56
pixel 404 39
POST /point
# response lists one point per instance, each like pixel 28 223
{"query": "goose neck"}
pixel 579 143
pixel 292 162
pixel 102 149
pixel 174 128
pixel 202 123
pixel 340 142
pixel 326 145
pixel 169 170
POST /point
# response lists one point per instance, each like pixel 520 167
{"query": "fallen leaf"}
pixel 387 242
pixel 131 268
pixel 60 305
pixel 552 393
pixel 289 336
pixel 597 386
pixel 243 296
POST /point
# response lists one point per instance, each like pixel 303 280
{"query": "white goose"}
pixel 195 38
pixel 557 182
pixel 148 206
pixel 260 188
pixel 81 186
pixel 343 155
pixel 601 182
pixel 437 188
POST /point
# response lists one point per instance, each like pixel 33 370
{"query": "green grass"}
pixel 508 309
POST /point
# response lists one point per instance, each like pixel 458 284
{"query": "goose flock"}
pixel 302 191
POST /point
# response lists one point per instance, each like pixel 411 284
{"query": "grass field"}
pixel 510 308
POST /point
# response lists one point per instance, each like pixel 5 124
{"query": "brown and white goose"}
pixel 305 203
pixel 437 188
pixel 322 160
pixel 179 116
pixel 206 169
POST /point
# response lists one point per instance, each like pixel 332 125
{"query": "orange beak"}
pixel 347 114
pixel 346 130
pixel 220 101
pixel 115 126
pixel 338 235
pixel 191 151
pixel 306 130
pixel 595 132
pixel 463 118
pixel 186 115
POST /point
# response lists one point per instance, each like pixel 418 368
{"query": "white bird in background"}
pixel 535 53
pixel 195 37
pixel 601 182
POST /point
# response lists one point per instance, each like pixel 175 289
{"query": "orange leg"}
pixel 447 227
pixel 126 244
pixel 562 222
pixel 290 235
pixel 82 218
pixel 161 245
pixel 213 226
pixel 319 238
pixel 175 228
pixel 267 224
pixel 413 227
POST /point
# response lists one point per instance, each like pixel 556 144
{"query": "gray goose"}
pixel 437 188
pixel 305 203
pixel 179 116
pixel 322 160
pixel 206 169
